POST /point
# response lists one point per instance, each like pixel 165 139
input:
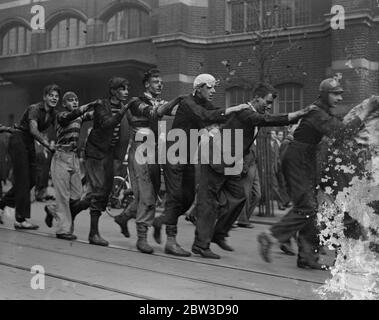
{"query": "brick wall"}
pixel 306 66
pixel 179 17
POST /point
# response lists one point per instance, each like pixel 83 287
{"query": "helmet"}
pixel 330 85
pixel 203 79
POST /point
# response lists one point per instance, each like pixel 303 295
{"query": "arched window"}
pixel 290 98
pixel 67 32
pixel 237 95
pixel 16 40
pixel 127 23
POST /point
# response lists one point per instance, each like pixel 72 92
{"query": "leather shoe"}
pixel 66 236
pixel 304 264
pixel 25 225
pixel 205 253
pixel 49 216
pixel 123 223
pixel 265 245
pixel 223 245
pixel 98 240
pixel 176 250
pixel 282 208
pixel 245 225
pixel 286 248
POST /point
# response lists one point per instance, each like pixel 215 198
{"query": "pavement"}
pixel 78 270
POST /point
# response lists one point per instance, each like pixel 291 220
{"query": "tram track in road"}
pixel 114 247
pixel 146 269
pixel 81 282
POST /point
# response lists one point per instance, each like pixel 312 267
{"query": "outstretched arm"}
pixel 64 118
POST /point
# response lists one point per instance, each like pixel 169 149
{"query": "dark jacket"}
pixel 247 121
pixel 99 141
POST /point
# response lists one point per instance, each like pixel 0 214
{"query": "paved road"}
pixel 77 270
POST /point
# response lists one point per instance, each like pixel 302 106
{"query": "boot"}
pixel 265 246
pixel 171 245
pixel 308 255
pixel 122 220
pixel 157 225
pixel 50 215
pixel 205 253
pixel 286 247
pixel 77 206
pixel 142 244
pixel 94 235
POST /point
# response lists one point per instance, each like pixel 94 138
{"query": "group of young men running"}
pixel 220 196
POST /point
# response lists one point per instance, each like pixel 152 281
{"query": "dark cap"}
pixel 331 85
pixel 117 82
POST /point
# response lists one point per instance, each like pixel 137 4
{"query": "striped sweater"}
pixel 68 128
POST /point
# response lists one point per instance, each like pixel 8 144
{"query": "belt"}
pixel 67 149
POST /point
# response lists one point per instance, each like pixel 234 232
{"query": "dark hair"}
pixel 115 83
pixel 152 73
pixel 51 87
pixel 263 89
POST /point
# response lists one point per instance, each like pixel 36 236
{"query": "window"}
pixel 16 40
pixel 68 32
pixel 253 15
pixel 237 95
pixel 290 98
pixel 127 23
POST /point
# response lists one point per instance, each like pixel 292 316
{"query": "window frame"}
pixel 131 14
pixel 286 86
pixel 296 13
pixel 26 41
pixel 245 92
pixel 80 26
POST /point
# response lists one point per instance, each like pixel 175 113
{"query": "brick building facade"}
pixel 85 42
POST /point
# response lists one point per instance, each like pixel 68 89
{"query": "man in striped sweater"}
pixel 65 169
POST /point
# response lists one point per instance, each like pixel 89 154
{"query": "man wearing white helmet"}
pixel 221 195
pixel 195 112
pixel 300 169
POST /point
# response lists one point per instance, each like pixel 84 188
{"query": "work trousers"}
pixel 23 156
pixel 220 201
pixel 145 180
pixel 299 169
pixel 252 189
pixel 65 173
pixel 100 181
pixel 180 191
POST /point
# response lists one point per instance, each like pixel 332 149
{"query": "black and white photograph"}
pixel 200 153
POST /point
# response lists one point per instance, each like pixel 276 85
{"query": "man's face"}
pixel 121 94
pixel 71 103
pixel 334 99
pixel 51 99
pixel 155 86
pixel 206 92
pixel 273 135
pixel 264 105
pixel 280 135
